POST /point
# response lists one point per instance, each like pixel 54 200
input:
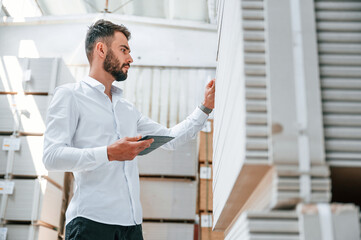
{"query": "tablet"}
pixel 158 141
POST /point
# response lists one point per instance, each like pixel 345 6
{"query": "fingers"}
pixel 144 144
pixel 211 83
pixel 210 94
pixel 212 89
pixel 133 139
pixel 139 145
pixel 149 141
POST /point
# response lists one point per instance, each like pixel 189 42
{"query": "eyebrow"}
pixel 126 47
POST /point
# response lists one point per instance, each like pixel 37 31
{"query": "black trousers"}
pixel 85 229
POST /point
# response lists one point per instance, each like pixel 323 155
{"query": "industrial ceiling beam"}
pixel 40 9
pixel 3 8
pixel 106 9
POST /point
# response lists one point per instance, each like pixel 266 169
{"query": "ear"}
pixel 101 49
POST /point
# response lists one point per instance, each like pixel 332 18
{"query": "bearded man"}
pixel 93 132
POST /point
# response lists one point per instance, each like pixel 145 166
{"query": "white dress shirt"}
pixel 81 123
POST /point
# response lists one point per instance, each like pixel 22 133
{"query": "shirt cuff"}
pixel 199 115
pixel 101 155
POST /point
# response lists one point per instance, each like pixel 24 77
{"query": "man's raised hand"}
pixel 210 94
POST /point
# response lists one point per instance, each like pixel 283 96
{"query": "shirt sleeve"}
pixel 61 124
pixel 182 132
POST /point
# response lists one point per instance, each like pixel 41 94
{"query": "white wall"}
pixel 173 60
pixel 155 42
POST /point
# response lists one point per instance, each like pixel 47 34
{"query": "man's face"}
pixel 118 59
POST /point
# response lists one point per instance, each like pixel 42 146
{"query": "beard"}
pixel 111 65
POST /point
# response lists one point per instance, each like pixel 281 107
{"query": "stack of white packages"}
pixel 295 143
pixel 27 161
pixel 31 198
pixel 268 137
pixel 26 86
pixel 311 222
pixel 339 49
pixel 168 192
pixel 241 122
pixel 167 230
pixel 273 110
pixel 181 162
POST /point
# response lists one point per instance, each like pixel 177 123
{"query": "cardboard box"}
pixel 206 143
pixel 206 232
pixel 205 195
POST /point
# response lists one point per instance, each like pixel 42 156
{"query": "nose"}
pixel 130 59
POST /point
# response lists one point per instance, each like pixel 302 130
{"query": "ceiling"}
pixel 194 10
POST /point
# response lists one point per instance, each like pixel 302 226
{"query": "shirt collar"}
pixel 98 85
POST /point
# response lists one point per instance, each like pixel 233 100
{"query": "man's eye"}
pixel 123 50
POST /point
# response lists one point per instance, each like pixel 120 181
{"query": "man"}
pixel 93 132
